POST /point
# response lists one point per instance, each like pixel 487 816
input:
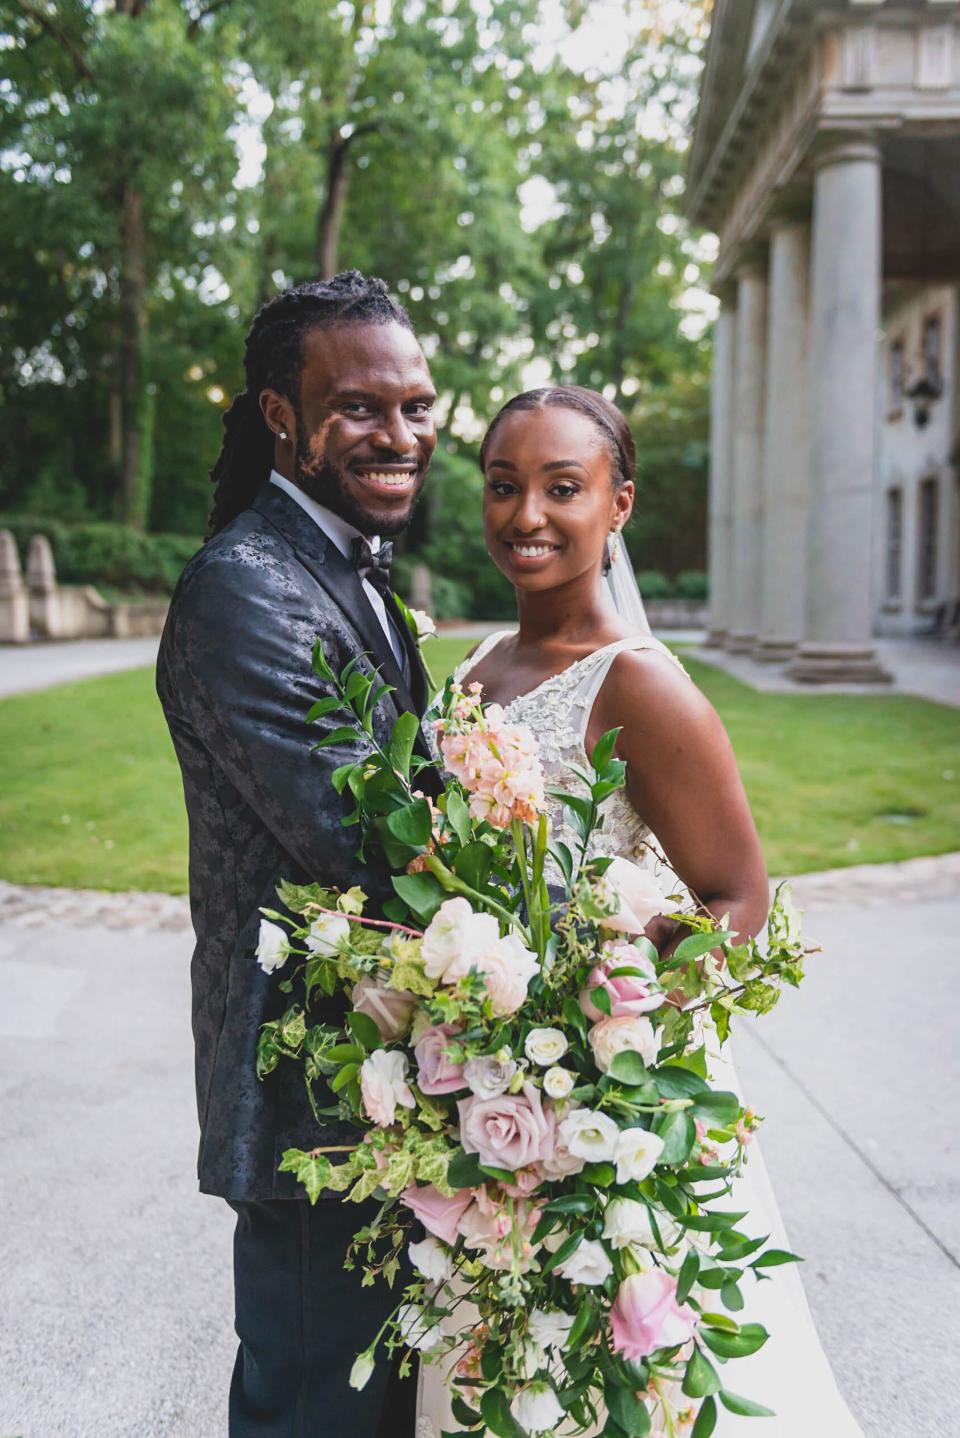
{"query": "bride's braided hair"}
pixel 272 359
pixel 605 416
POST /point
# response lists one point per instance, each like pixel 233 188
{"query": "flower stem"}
pixel 455 885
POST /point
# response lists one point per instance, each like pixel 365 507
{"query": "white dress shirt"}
pixel 342 534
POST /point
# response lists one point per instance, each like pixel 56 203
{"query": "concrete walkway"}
pixel 117 1284
pixel 28 667
pixel 926 668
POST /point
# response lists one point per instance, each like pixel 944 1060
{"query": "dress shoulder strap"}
pixel 590 682
pixel 482 650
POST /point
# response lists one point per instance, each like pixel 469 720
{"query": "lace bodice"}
pixel 558 712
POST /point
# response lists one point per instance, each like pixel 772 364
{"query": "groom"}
pixel 324 454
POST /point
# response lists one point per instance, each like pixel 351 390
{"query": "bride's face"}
pixel 549 502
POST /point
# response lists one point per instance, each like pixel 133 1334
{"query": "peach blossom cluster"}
pixel 484 1222
pixel 499 766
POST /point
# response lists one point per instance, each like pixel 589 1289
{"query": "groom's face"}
pixel 365 428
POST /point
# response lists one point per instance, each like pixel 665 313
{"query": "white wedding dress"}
pixel 790 1374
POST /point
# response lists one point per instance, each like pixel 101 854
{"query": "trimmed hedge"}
pixel 108 554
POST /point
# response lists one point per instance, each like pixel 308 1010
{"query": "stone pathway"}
pixel 922 667
pixel 27 667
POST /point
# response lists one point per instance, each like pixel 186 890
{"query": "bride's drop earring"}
pixel 613 546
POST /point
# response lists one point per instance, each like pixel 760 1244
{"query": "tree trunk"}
pixel 330 218
pixel 618 358
pixel 134 471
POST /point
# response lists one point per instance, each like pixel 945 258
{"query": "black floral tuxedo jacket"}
pixel 235 681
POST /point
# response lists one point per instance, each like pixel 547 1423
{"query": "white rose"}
pixel 422 623
pixel 272 946
pixel 636 1154
pixel 550 1327
pixel 589 1264
pixel 490 1077
pixel 455 939
pixel 638 893
pixel 431 1259
pixel 327 933
pixel 507 968
pixel 589 1134
pixel 537 1408
pixel 558 1082
pixel 627 1222
pixel 633 1033
pixel 416 1330
pixel 545 1046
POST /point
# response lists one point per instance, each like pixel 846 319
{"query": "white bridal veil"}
pixel 625 592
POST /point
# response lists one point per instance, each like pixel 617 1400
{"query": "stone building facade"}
pixel 826 157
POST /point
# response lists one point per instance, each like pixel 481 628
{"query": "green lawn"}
pixel 91 791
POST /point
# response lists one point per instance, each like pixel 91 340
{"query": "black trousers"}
pixel 301 1320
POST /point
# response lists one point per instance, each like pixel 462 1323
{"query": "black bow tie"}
pixel 370 565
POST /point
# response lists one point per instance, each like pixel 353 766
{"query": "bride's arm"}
pixel 683 781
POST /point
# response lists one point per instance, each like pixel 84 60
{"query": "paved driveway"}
pixel 116 1273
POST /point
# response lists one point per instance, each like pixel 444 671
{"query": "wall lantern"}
pixel 921 394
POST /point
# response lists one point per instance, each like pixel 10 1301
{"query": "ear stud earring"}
pixel 283 434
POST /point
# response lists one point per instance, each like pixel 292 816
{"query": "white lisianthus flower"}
pixel 431 1259
pixel 537 1408
pixel 362 1370
pixel 272 947
pixel 589 1264
pixel 588 1134
pixel 490 1077
pixel 422 623
pixel 383 1085
pixel 416 1330
pixel 327 933
pixel 545 1046
pixel 550 1327
pixel 636 1154
pixel 630 1033
pixel 627 1222
pixel 558 1082
pixel 455 939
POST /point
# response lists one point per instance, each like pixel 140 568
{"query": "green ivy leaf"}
pixel 627 1067
pixel 402 741
pixel 365 1031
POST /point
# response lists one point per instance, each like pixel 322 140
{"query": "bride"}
pixel 558 466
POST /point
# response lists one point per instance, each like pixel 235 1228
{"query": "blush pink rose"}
pixel 390 1009
pixel 436 1074
pixel 510 1131
pixel 439 1215
pixel 507 968
pixel 639 894
pixel 629 994
pixel 646 1315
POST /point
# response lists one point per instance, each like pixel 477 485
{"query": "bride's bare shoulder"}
pixel 647 693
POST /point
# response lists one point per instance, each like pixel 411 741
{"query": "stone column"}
pixel 720 535
pixel 42 587
pixel 786 449
pixel 14 605
pixel 751 344
pixel 844 349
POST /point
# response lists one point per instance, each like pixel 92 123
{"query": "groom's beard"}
pixel 324 484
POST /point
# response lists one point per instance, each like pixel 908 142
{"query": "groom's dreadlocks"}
pixel 272 359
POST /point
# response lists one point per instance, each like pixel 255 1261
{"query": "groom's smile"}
pixel 365 431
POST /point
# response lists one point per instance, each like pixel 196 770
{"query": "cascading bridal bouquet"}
pixel 529 1079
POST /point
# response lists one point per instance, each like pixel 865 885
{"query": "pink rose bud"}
pixel 390 1009
pixel 646 1315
